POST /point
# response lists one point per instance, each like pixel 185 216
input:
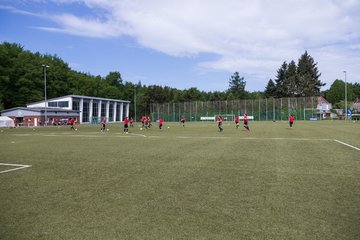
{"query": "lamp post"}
pixel 135 102
pixel 45 67
pixel 345 97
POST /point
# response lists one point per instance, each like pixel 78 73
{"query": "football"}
pixel 107 129
pixel 140 129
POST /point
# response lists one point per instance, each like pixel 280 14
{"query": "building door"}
pixel 20 121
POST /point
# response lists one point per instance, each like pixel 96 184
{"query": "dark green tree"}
pixel 280 81
pixel 309 83
pixel 336 92
pixel 191 94
pixel 57 75
pixel 270 89
pixel 114 79
pixel 256 95
pixel 217 96
pixel 356 90
pixel 292 80
pixel 237 86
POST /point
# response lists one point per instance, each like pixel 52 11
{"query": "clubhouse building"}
pixel 84 109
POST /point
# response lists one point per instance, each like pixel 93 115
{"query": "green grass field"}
pixel 182 183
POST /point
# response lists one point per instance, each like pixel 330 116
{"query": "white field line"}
pixel 254 138
pixel 293 139
pixel 182 137
pixel 19 166
pixel 135 134
pixel 77 135
pixel 346 144
pixel 90 136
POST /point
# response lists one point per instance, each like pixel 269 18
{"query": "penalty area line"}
pixel 346 144
pixel 18 167
pixel 135 134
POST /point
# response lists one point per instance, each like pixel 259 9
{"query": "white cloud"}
pixel 254 36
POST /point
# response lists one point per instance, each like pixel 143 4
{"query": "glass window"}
pixel 118 112
pixel 103 109
pixel 76 105
pixel 111 112
pixel 85 112
pixel 95 109
pixel 52 104
pixel 63 104
pixel 124 111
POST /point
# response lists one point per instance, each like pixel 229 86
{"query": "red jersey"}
pixel 126 121
pixel 219 119
pixel 149 120
pixel 131 120
pixel 291 119
pixel 182 118
pixel 160 121
pixel 245 118
pixel 237 119
pixel 103 121
pixel 71 121
pixel 143 119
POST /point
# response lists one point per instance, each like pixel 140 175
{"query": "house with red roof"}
pixel 324 107
pixel 356 106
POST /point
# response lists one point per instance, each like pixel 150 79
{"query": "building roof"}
pixel 40 109
pixel 15 108
pixel 322 100
pixel 80 96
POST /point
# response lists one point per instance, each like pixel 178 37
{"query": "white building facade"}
pixel 92 109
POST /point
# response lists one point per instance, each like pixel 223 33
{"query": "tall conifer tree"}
pixel 280 80
pixel 309 82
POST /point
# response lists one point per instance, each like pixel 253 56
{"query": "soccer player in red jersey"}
pixel 103 122
pixel 160 123
pixel 148 122
pixel 126 125
pixel 291 120
pixel 237 122
pixel 143 121
pixel 72 123
pixel 246 122
pixel 131 122
pixel 183 120
pixel 219 120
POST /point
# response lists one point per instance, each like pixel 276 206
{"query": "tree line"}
pixel 22 82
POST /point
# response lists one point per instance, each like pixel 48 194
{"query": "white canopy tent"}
pixel 6 122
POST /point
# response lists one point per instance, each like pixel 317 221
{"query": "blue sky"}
pixel 189 43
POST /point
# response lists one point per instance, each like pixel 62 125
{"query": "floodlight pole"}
pixel 45 67
pixel 345 97
pixel 135 101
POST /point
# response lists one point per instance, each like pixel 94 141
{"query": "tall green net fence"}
pixel 271 109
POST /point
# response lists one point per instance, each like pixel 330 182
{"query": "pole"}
pixel 135 102
pixel 345 97
pixel 44 67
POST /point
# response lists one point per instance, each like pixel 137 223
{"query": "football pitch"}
pixel 182 183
